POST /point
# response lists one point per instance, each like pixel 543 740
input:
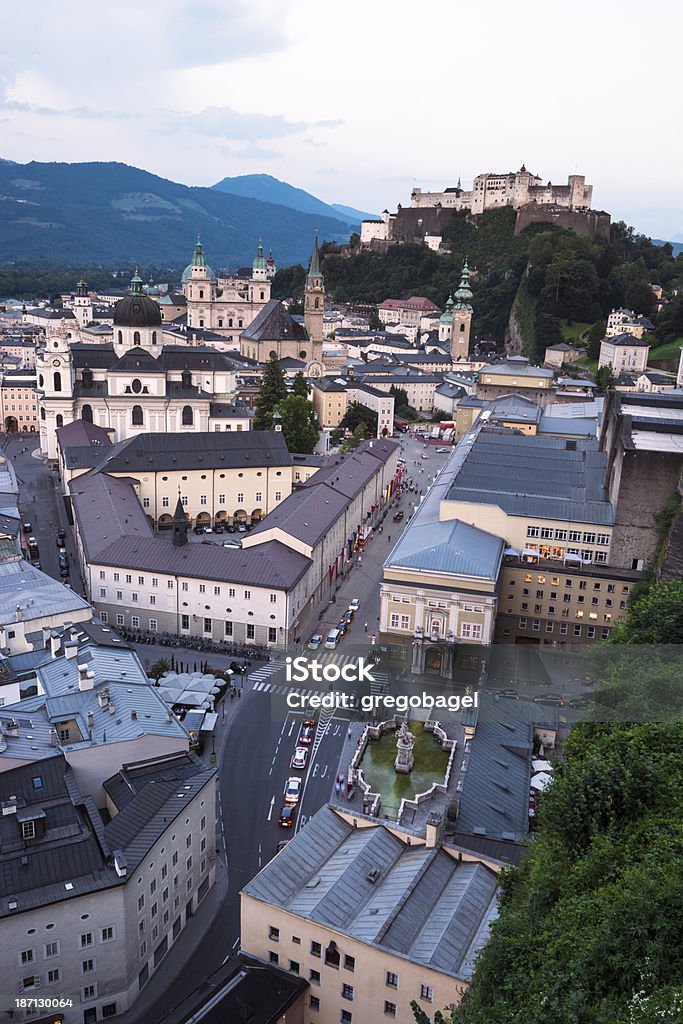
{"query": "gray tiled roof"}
pixel 307 514
pixel 450 547
pixel 34 593
pixel 212 449
pixel 274 323
pixel 495 796
pixel 535 476
pixel 423 904
pixel 106 508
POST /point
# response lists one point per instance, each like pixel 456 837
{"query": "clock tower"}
pixel 314 304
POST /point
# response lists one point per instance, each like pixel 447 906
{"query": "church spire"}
pixel 179 524
pixel 463 296
pixel 136 284
pixel 314 269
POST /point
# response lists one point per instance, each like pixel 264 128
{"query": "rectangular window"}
pixel 389 1009
pixel 313 1003
pixel 273 957
pixel 202 588
pixel 135 621
pixel 549 626
pixel 316 949
pixel 87 966
pixel 117 577
pixel 155 581
pixel 28 830
pixel 88 992
pixel 54 976
pixel 107 934
pixel 221 499
pixel 272 634
pixel 601 557
pixel 27 956
pixel 522 623
pixel 231 591
pixel 240 497
pixel 86 940
pixel 603 539
pixel 185 586
pixel 426 993
pixel 153 624
pixel 259 496
pixel 536 625
pixel 560 534
pixel 119 595
pixel 207 625
pixel 278 495
pixel 577 630
pixel 108 1010
pixel 470 630
pixel 184 621
pixel 589 538
pixel 165 502
pixel 546 533
pixel 103 591
pixel 314 977
pixel 564 627
pixel 346 1017
pixel 294 966
pixel 129 578
pixel 394 620
pixel 247 595
pixel 532 531
pixel 347 992
pixel 391 979
pixel 251 631
pixel 228 628
pixel 216 591
pixel 591 632
pixel 203 499
pixel 349 963
pixel 51 949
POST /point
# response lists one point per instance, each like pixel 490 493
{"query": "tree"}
pixel 400 396
pixel 354 439
pixel 300 385
pixel 548 330
pixel 596 332
pixel 605 378
pixel 357 414
pixel 273 390
pixel 656 617
pixel 299 427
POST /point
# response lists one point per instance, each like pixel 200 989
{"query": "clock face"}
pixel 56 362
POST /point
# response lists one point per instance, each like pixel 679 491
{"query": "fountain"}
pixel 405 741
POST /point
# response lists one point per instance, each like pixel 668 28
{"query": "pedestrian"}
pixel 389 537
pixel 349 733
pixel 365 625
pixel 239 692
pixel 336 787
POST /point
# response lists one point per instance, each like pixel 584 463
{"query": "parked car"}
pixel 293 790
pixel 229 529
pixel 208 529
pixel 315 642
pixel 299 758
pixel 550 698
pixel 63 571
pixel 218 528
pixel 281 845
pixel 232 543
pixel 199 530
pixel 27 527
pixel 354 604
pixel 398 516
pixel 241 527
pixel 287 816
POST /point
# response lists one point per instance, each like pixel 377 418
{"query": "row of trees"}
pixel 295 410
pixel 590 924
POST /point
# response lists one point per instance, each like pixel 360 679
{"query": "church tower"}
pixel 462 318
pixel 446 322
pixel 259 268
pixel 314 303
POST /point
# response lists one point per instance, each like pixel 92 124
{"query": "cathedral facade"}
pixel 225 305
pixel 136 383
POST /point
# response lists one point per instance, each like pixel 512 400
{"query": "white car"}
pixel 315 642
pixel 354 604
pixel 441 451
pixel 299 758
pixel 293 790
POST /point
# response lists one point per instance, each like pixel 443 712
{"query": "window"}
pixel 28 829
pixel 51 949
pixel 591 632
pixel 532 531
pixel 103 574
pixel 601 557
pixel 135 621
pixel 119 595
pixel 316 949
pixel 546 533
pixel 272 634
pixel 294 966
pixel 174 858
pixel 165 502
pixel 589 538
pixel 603 539
pixel 109 1010
pixel 88 992
pixel 347 992
pixel 560 534
pixel 247 595
pixel 188 864
pixel 539 594
pixel 107 934
pixel 251 631
pixel 574 536
pixel 426 993
pixel 549 627
pixel 470 630
pixel 278 495
pixel 202 588
pixel 314 977
pixel 87 966
pixel 273 957
pixel 535 625
pixel 240 497
pixel 391 980
pixel 228 628
pixel 605 634
pixel 314 1002
pixel 231 591
pixel 564 627
pixel 184 621
pixel 221 499
pixel 207 625
pixel 141 902
pixel 259 496
pixel 577 630
pixel 203 499
pixel 137 416
pixel 153 625
pixel 86 940
pixel 187 416
pixel 103 591
pixel 349 963
pixel 185 586
pixel 389 1009
pixel 346 1017
pixel 27 956
pixel 332 957
pixel 216 591
pixel 54 976
pixel 522 623
pixel 117 577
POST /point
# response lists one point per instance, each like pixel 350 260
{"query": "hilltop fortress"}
pixel 429 212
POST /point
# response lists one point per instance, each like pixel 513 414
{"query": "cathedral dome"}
pixel 198 260
pixel 136 310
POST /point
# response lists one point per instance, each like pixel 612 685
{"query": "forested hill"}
pixel 565 278
pixel 104 213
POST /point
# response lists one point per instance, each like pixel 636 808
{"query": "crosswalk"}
pixel 262 679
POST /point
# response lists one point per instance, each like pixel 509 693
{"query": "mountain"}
pixel 272 190
pixel 353 215
pixel 94 213
pixel 676 246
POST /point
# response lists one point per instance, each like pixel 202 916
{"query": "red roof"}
pixel 414 302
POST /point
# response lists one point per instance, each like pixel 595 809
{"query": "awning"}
pixel 541 766
pixel 541 781
pixel 209 723
pixel 512 552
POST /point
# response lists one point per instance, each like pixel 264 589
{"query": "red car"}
pixel 307 731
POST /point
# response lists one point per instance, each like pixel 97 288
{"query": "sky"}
pixel 357 102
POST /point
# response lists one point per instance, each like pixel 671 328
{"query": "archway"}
pixel 222 516
pixel 165 522
pixel 150 520
pixel 11 425
pixel 257 515
pixel 203 519
pixel 240 516
pixel 433 659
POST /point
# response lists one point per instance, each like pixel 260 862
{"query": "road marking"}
pixel 291 728
pixel 260 858
pixel 324 772
pixel 270 811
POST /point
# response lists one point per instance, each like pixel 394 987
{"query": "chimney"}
pixel 112 708
pixel 71 648
pixel 103 697
pixel 18 613
pixel 91 719
pixel 133 716
pixel 55 642
pixel 54 739
pixel 432 831
pixel 12 727
pixel 169 715
pixel 84 681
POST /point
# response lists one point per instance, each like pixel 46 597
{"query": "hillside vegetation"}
pixel 567 278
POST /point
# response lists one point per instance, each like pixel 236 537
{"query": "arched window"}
pixel 120 337
pixel 316 305
pixel 154 337
pixel 137 415
pixel 42 414
pixel 40 380
pixel 263 295
pixel 59 420
pixel 136 338
pixel 201 293
pixel 86 414
pixel 187 417
pixel 462 328
pixel 57 381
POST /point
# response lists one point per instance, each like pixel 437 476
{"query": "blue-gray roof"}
pixel 420 903
pixel 451 547
pixel 535 476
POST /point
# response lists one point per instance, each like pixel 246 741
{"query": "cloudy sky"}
pixel 357 101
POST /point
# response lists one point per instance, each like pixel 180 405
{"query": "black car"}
pixel 287 816
pixel 218 528
pixel 27 528
pixel 398 517
pixel 230 529
pixel 199 530
pixel 63 571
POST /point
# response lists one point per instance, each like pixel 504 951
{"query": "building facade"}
pixel 19 411
pixel 625 353
pixel 224 305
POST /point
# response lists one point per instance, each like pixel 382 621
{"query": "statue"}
pixel 405 741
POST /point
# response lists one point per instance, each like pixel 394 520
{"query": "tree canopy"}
pixel 299 427
pixel 273 390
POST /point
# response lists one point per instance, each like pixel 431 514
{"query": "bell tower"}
pixel 314 302
pixel 462 318
pixel 179 525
